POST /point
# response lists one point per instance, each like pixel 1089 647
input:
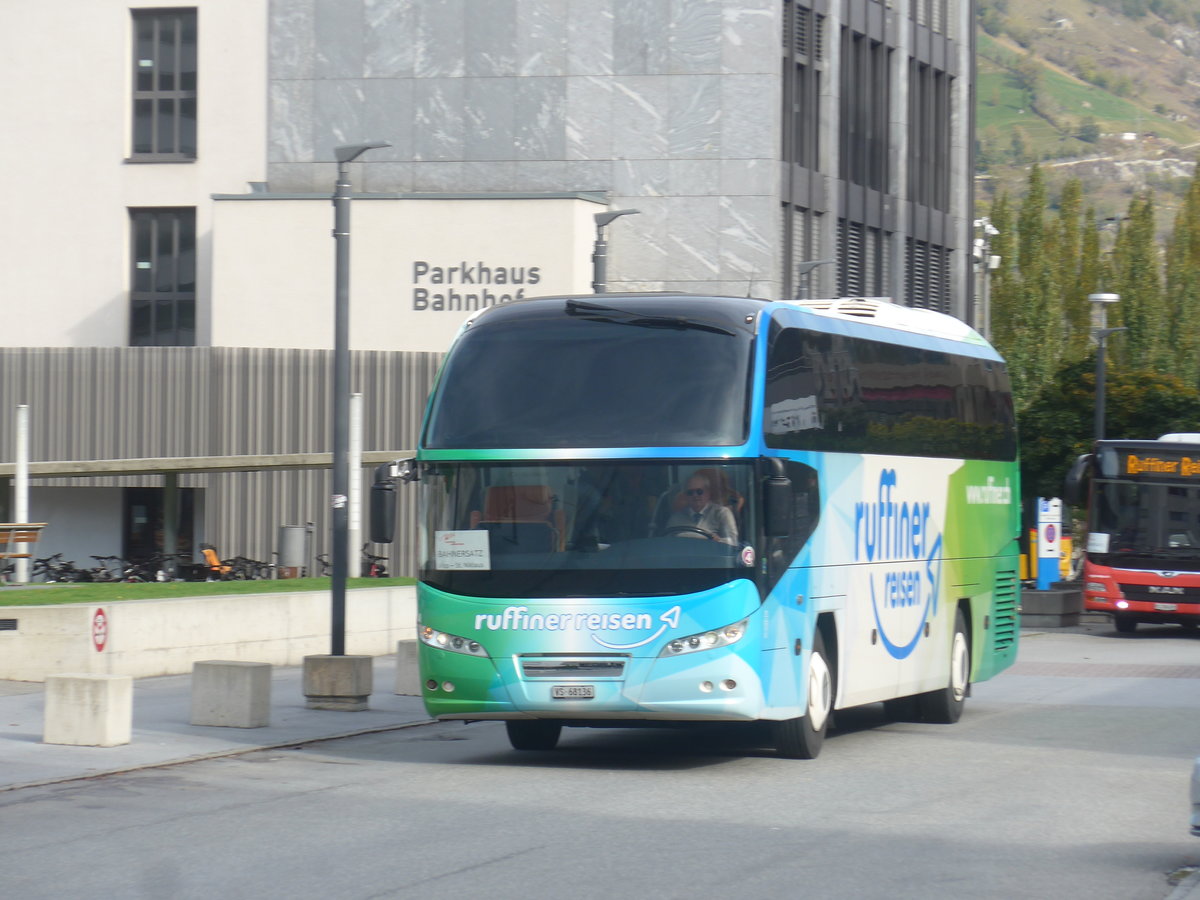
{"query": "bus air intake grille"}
pixel 1004 610
pixel 572 667
pixel 1161 593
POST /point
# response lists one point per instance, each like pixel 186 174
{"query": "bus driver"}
pixel 702 516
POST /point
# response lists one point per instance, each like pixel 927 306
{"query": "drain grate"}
pixel 8 624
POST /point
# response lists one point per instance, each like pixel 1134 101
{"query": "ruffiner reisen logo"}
pixel 904 594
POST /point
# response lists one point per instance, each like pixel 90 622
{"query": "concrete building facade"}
pixel 173 193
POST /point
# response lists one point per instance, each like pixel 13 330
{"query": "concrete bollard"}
pixel 408 673
pixel 337 682
pixel 88 710
pixel 231 694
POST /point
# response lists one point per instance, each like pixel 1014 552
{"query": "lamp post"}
pixel 600 251
pixel 804 274
pixel 985 263
pixel 341 391
pixel 1100 304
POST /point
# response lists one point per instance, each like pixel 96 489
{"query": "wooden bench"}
pixel 15 533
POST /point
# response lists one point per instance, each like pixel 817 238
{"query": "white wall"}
pixel 144 638
pixel 66 109
pixel 82 522
pixel 273 266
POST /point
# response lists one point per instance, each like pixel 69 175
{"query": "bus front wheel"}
pixel 533 734
pixel 1125 624
pixel 802 737
pixel 945 706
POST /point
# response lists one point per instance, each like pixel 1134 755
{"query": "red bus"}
pixel 1142 561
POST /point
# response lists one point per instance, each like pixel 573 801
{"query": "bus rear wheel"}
pixel 533 734
pixel 802 737
pixel 945 706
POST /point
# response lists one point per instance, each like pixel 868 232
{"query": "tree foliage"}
pixel 1051 260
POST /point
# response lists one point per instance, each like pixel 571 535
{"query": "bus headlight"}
pixel 705 640
pixel 452 642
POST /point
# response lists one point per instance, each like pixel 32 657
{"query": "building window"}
pixel 862 260
pixel 803 61
pixel 163 278
pixel 929 124
pixel 865 89
pixel 164 84
pixel 928 275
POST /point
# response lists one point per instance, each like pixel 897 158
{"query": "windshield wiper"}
pixel 598 312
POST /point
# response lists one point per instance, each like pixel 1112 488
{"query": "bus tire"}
pixel 802 737
pixel 533 734
pixel 1125 624
pixel 945 706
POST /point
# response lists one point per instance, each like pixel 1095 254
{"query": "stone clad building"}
pixel 168 280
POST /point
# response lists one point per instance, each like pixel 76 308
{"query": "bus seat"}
pixel 508 508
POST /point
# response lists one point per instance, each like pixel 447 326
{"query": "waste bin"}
pixel 291 550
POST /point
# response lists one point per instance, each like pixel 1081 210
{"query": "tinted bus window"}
pixel 846 394
pixel 553 381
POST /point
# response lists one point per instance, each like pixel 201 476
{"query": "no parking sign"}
pixel 99 630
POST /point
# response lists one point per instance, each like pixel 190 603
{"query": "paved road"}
pixel 1066 778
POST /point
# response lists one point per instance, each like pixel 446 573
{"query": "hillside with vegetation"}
pixel 1104 91
pixel 1088 130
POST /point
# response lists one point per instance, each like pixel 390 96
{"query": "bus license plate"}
pixel 1166 607
pixel 573 692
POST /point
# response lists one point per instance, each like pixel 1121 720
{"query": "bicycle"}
pixel 373 566
pixel 55 569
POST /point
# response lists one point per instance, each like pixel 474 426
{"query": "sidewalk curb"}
pixel 217 754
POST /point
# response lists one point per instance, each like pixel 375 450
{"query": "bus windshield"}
pixel 1145 519
pixel 586 375
pixel 611 529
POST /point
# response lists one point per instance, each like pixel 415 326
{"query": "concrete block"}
pixel 337 682
pixel 88 710
pixel 1051 609
pixel 231 693
pixel 408 673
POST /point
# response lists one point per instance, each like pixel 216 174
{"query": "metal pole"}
pixel 600 263
pixel 600 250
pixel 341 394
pixel 1100 303
pixel 354 475
pixel 21 491
pixel 1101 376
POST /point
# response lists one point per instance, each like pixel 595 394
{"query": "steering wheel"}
pixel 690 529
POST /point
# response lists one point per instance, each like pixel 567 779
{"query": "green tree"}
pixel 1136 277
pixel 1183 286
pixel 1059 424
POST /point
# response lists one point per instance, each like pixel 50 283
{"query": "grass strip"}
pixel 54 594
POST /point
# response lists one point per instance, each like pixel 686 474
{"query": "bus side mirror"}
pixel 778 498
pixel 383 505
pixel 1075 484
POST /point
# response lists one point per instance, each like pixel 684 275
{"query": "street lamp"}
pixel 985 263
pixel 804 274
pixel 1100 304
pixel 341 391
pixel 600 251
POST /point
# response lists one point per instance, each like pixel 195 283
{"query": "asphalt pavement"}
pixel 162 734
